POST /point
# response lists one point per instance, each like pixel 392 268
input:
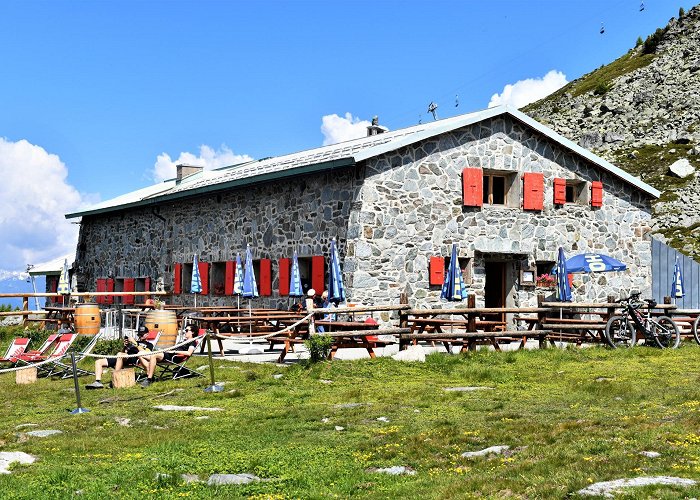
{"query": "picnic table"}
pixel 58 314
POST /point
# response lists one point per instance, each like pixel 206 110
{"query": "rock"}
pixel 339 428
pixel 325 420
pixel 44 433
pixel 491 450
pixel 202 417
pixel 413 353
pixel 185 408
pixel 681 168
pixel 382 419
pixel 126 422
pixel 21 426
pixel 221 479
pixel 395 470
pixel 650 454
pixel 190 478
pixel 278 375
pixel 348 406
pixel 8 457
pixel 323 381
pixel 608 489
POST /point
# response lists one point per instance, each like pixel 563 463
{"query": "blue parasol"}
pixel 593 262
pixel 563 288
pixel 196 283
pixel 64 282
pixel 677 286
pixel 336 290
pixel 250 287
pixel 295 288
pixel 453 289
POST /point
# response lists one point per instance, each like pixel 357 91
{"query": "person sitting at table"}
pixel 327 304
pixel 131 346
pixel 172 356
pixel 65 328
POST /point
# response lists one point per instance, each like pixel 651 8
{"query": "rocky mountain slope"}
pixel 642 113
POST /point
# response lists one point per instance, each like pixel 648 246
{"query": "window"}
pixel 218 278
pixel 570 191
pixel 494 190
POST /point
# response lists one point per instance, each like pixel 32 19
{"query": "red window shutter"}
pixel 101 287
pixel 53 285
pixel 177 279
pixel 559 191
pixel 596 194
pixel 147 284
pixel 472 187
pixel 129 286
pixel 109 299
pixel 533 191
pixel 284 276
pixel 318 273
pixel 204 276
pixel 437 270
pixel 265 277
pixel 228 277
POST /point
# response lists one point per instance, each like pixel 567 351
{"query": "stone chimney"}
pixel 375 128
pixel 186 170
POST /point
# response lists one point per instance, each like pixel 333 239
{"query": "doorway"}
pixel 495 289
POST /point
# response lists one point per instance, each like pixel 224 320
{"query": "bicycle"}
pixel 696 329
pixel 621 330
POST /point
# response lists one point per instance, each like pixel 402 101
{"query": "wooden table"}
pixel 350 341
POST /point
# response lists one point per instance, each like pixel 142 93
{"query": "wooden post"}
pixel 121 379
pixel 310 309
pixel 540 320
pixel 471 321
pixel 26 375
pixel 25 307
pixel 403 319
pixel 667 300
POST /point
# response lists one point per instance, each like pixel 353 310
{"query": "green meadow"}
pixel 570 417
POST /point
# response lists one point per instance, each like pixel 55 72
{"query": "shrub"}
pixel 652 42
pixel 602 88
pixel 110 347
pixel 319 347
pixel 639 41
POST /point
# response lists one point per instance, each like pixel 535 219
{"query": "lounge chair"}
pixel 62 345
pixel 44 347
pixel 176 369
pixel 64 369
pixel 15 349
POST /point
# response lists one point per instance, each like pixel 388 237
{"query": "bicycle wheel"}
pixel 666 333
pixel 696 329
pixel 619 332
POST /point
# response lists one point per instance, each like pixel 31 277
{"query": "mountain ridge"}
pixel 642 113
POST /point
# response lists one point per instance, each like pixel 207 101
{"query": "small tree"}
pixel 639 42
pixel 681 12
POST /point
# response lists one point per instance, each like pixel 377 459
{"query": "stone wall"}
pixel 412 209
pixel 389 216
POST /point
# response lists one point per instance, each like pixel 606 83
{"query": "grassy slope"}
pixel 569 429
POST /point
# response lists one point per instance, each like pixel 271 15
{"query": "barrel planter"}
pixel 87 319
pixel 166 323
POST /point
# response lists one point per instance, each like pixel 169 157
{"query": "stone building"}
pixel 508 190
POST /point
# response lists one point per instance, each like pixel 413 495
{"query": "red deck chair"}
pixel 16 348
pixel 44 347
pixel 175 369
pixel 62 345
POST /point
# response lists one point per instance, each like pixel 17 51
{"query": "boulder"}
pixel 681 168
pixel 413 353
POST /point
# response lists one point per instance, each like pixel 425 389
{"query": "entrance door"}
pixel 495 290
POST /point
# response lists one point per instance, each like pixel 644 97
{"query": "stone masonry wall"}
pixel 412 209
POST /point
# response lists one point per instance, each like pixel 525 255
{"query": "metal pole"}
pixel 213 387
pixel 79 409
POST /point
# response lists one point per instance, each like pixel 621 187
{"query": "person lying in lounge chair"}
pixel 131 346
pixel 184 352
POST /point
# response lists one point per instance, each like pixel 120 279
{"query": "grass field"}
pixel 571 417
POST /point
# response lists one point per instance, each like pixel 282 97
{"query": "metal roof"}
pixel 54 266
pixel 334 156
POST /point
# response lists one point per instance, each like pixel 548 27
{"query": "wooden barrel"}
pixel 166 323
pixel 87 319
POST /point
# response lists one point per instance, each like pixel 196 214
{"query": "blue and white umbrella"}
pixel 250 287
pixel 453 289
pixel 677 285
pixel 593 262
pixel 336 290
pixel 563 287
pixel 196 283
pixel 295 288
pixel 238 277
pixel 64 282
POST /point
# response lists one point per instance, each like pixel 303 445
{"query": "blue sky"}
pixel 100 98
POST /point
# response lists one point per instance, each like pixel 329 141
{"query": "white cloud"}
pixel 337 129
pixel 34 196
pixel 524 92
pixel 209 158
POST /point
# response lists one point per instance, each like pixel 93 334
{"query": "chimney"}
pixel 375 128
pixel 186 170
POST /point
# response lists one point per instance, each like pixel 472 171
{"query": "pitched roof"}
pixel 333 156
